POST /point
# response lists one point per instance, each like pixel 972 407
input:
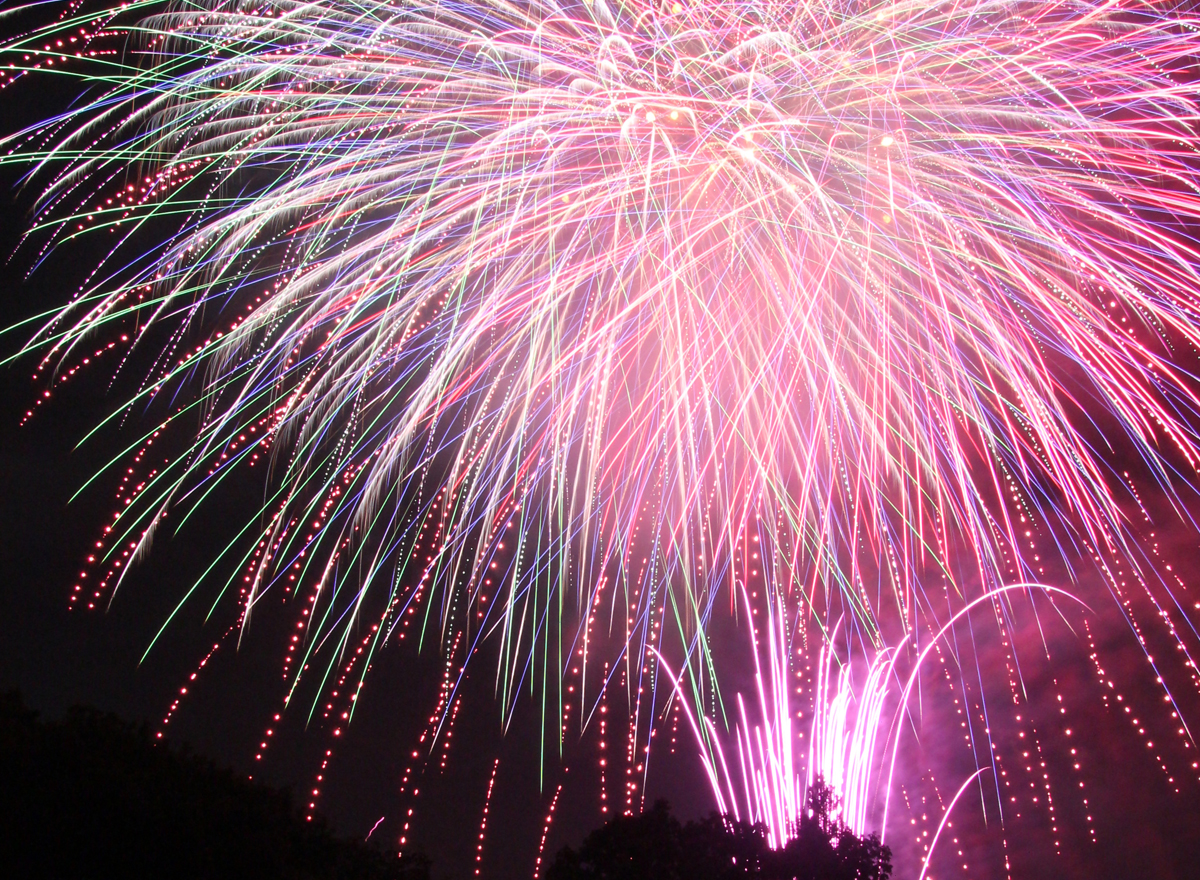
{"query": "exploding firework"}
pixel 844 735
pixel 548 322
pixel 766 785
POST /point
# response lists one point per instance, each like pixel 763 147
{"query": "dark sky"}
pixel 1143 826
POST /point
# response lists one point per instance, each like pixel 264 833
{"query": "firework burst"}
pixel 766 785
pixel 545 313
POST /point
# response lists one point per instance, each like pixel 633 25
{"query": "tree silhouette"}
pixel 655 846
pixel 822 847
pixel 91 796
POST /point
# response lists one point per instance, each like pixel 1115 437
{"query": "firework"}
pixel 549 322
pixel 766 785
pixel 843 745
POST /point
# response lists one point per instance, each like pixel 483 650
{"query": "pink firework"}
pixel 542 325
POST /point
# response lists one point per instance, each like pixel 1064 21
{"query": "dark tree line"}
pixel 656 846
pixel 91 796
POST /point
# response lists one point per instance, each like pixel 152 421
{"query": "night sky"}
pixel 1136 771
